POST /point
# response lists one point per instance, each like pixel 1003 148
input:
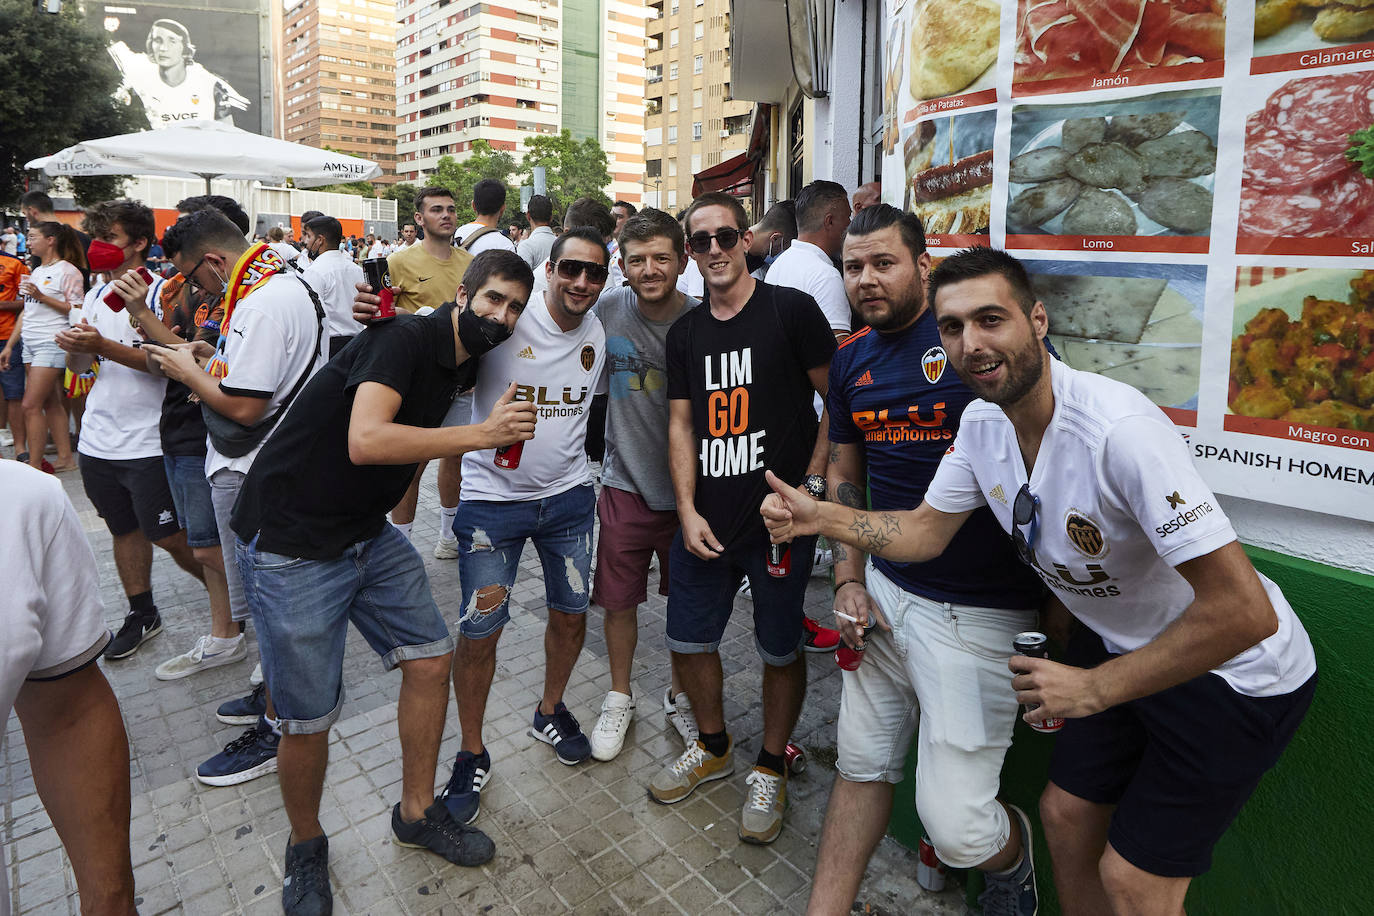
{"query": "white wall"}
pixel 1328 539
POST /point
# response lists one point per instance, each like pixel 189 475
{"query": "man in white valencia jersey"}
pixel 1190 672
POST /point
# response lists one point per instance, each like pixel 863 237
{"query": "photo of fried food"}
pixel 953 43
pixel 1305 353
pixel 1294 22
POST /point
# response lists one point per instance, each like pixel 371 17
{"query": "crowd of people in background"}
pixel 217 391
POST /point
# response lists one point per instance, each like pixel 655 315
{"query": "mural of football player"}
pixel 169 82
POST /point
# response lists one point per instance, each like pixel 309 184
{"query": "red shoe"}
pixel 48 468
pixel 818 638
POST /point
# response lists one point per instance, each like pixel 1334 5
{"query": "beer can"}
pixel 508 456
pixel 377 276
pixel 849 659
pixel 795 757
pixel 779 560
pixel 930 871
pixel 1036 645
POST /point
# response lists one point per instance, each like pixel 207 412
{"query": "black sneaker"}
pixel 137 629
pixel 562 732
pixel 305 888
pixel 244 710
pixel 438 832
pixel 463 795
pixel 250 755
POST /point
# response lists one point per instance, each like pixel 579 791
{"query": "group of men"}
pixel 781 426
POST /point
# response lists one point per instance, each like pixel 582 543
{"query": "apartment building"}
pixel 692 121
pixel 604 84
pixel 338 73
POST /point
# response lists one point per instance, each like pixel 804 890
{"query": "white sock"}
pixel 220 644
pixel 274 723
pixel 404 529
pixel 446 517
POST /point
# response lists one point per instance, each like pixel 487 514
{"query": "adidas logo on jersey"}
pixel 999 494
pixel 527 353
pixel 865 379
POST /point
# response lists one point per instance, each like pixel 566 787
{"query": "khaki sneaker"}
pixel 761 821
pixel 696 765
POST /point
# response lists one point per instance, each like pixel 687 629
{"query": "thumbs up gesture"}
pixel 510 421
pixel 788 512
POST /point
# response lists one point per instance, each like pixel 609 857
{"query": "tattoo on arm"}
pixel 834 453
pixel 849 495
pixel 873 537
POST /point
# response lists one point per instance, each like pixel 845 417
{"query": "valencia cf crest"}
pixel 1084 535
pixel 933 364
pixel 195 99
pixel 588 357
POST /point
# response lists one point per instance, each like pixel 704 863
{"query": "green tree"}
pixel 573 169
pixel 68 83
pixel 404 195
pixel 460 177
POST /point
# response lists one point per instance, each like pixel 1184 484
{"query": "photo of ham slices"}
pixel 1060 39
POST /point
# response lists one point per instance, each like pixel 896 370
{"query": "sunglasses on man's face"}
pixel 569 268
pixel 700 242
pixel 1024 511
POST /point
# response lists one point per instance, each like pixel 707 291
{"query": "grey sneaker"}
pixel 1014 894
pixel 680 716
pixel 761 820
pixel 680 778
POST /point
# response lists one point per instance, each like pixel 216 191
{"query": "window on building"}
pixel 696 163
pixel 672 199
pixel 672 102
pixel 696 98
pixel 672 168
pixel 696 64
pixel 653 168
pixel 672 133
pixel 672 71
pixel 672 38
pixel 698 31
pixel 696 132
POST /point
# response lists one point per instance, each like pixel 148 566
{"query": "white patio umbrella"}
pixel 207 149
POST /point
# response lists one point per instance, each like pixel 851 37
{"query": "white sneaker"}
pixel 680 716
pixel 446 549
pixel 6 438
pixel 200 659
pixel 823 559
pixel 256 677
pixel 745 591
pixel 608 737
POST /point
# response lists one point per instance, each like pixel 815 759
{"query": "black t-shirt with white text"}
pixel 303 497
pixel 746 378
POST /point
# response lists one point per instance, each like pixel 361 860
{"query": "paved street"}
pixel 580 839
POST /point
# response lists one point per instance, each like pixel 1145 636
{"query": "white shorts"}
pixel 945 666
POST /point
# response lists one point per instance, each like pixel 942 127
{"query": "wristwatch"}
pixel 814 484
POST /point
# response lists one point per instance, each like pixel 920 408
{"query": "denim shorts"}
pixel 44 354
pixel 12 379
pixel 701 597
pixel 224 492
pixel 491 537
pixel 301 609
pixel 191 494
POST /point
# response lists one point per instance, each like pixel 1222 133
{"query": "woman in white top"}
pixel 50 293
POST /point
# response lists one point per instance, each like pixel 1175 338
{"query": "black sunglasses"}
pixel 1025 511
pixel 700 242
pixel 569 268
pixel 191 274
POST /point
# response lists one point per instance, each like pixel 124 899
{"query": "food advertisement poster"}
pixel 1191 186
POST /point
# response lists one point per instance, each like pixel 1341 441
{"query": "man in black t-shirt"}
pixel 742 371
pixel 315 551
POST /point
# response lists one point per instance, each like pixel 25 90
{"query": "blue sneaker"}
pixel 245 710
pixel 562 732
pixel 305 886
pixel 1014 894
pixel 436 831
pixel 463 795
pixel 250 755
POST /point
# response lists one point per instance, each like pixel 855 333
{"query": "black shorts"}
pixel 1179 764
pixel 130 495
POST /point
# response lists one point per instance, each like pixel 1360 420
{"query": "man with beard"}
pixel 894 408
pixel 312 561
pixel 541 492
pixel 1190 671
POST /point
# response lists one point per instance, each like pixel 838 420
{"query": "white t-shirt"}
pixel 559 372
pixel 378 250
pixel 285 249
pixel 271 341
pixel 1121 505
pixel 690 281
pixel 333 276
pixel 166 105
pixel 805 267
pixel 125 405
pixel 60 280
pixel 10 242
pixel 492 240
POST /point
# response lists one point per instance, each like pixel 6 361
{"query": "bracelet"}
pixel 842 583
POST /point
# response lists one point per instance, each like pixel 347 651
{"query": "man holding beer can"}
pixel 742 372
pixel 557 361
pixel 1190 673
pixel 933 637
pixel 315 551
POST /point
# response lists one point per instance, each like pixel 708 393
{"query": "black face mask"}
pixel 478 334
